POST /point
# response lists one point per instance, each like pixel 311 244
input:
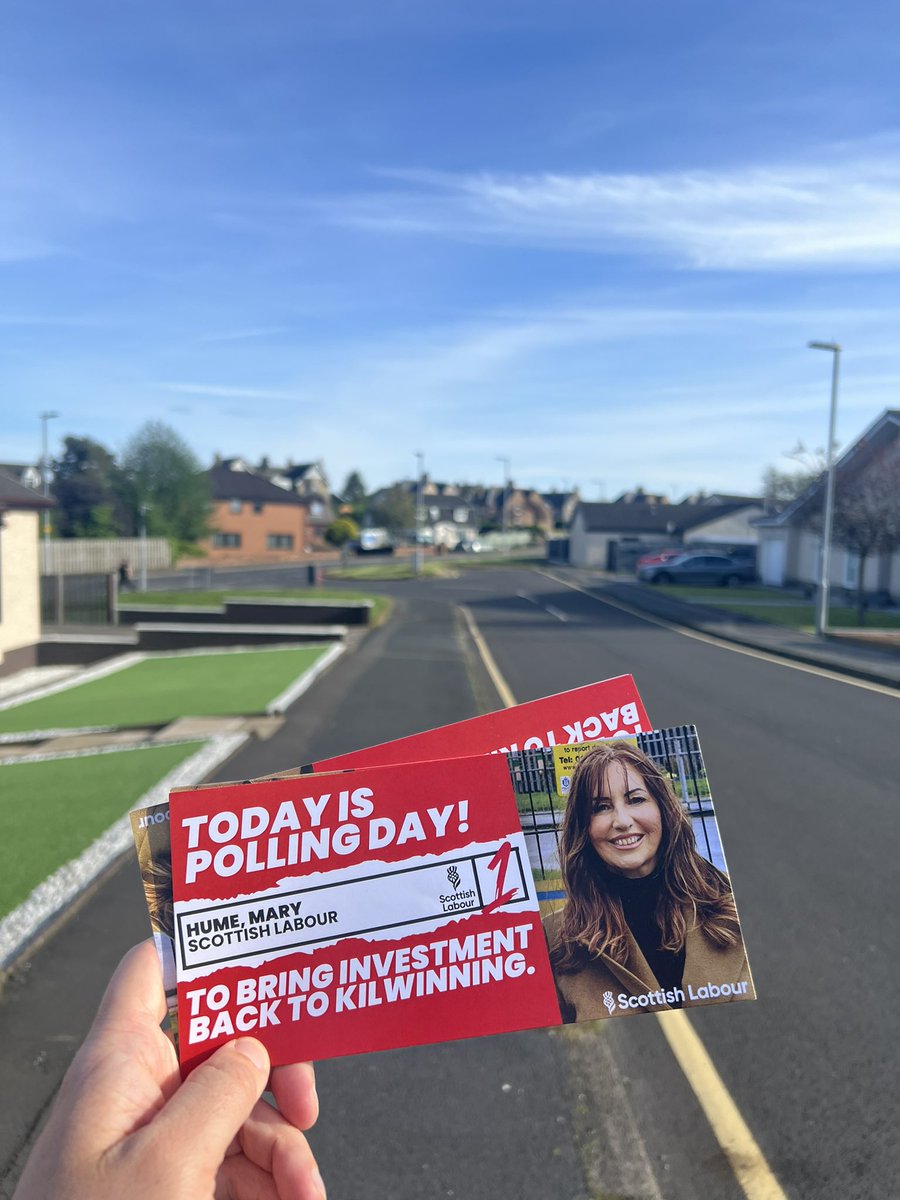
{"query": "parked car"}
pixel 374 541
pixel 717 570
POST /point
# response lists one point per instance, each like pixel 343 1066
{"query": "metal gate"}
pixel 77 599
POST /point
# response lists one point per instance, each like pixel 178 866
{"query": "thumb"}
pixel 203 1117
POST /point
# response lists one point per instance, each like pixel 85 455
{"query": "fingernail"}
pixel 254 1050
pixel 318 1184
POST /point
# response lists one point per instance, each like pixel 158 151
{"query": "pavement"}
pixel 853 654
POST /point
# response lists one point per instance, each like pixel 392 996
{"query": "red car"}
pixel 655 559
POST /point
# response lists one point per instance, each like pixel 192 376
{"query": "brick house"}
pixel 253 520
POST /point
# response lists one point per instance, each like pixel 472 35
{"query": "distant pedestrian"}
pixel 126 579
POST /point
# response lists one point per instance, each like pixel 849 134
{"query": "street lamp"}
pixel 45 471
pixel 143 536
pixel 417 556
pixel 505 462
pixel 825 563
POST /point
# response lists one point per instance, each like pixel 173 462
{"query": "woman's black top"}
pixel 639 902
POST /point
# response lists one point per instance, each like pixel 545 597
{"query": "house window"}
pixel 228 541
pixel 258 506
pixel 317 508
pixel 460 515
pixel 280 541
pixel 234 506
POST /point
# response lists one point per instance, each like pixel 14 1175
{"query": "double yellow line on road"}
pixel 732 1133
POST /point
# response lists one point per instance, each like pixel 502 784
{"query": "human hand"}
pixel 124 1124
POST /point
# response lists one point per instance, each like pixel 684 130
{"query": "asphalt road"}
pixel 804 775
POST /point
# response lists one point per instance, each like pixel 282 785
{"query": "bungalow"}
pixel 613 535
pixel 790 543
pixel 20 582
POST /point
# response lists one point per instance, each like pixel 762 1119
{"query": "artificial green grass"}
pixel 51 811
pixel 381 605
pixel 158 690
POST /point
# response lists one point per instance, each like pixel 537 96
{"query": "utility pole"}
pixel 143 535
pixel 417 556
pixel 825 561
pixel 45 476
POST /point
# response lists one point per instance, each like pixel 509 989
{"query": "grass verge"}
pixel 769 604
pixel 388 571
pixel 52 811
pixel 158 690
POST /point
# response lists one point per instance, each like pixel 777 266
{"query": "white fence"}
pixel 87 556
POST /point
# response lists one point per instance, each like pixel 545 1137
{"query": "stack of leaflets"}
pixel 556 861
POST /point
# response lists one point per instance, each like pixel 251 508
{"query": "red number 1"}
pixel 500 863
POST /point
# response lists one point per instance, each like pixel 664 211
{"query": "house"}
pixel 512 507
pixel 612 535
pixel 790 542
pixel 28 474
pixel 20 583
pixel 448 513
pixel 310 483
pixel 253 520
pixel 306 480
pixel 562 505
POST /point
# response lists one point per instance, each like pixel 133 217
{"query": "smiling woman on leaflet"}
pixel 648 923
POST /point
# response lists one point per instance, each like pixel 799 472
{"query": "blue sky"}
pixel 591 239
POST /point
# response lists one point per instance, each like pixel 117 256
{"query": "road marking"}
pixel 548 608
pixel 731 1131
pixel 722 644
pixel 507 698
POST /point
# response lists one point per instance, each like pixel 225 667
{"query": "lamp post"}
pixel 143 534
pixel 825 563
pixel 45 474
pixel 417 556
pixel 505 462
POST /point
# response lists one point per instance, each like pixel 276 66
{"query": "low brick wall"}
pixel 184 637
pixel 182 614
pixel 300 612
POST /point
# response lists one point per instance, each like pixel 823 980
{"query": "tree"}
pixel 394 509
pixel 88 488
pixel 341 531
pixel 354 490
pixel 867 515
pixel 781 488
pixel 162 472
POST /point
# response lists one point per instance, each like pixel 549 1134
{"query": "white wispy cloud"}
pixel 216 391
pixel 842 212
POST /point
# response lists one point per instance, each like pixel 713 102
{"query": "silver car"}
pixel 716 570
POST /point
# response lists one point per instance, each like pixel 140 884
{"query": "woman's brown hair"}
pixel 693 893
